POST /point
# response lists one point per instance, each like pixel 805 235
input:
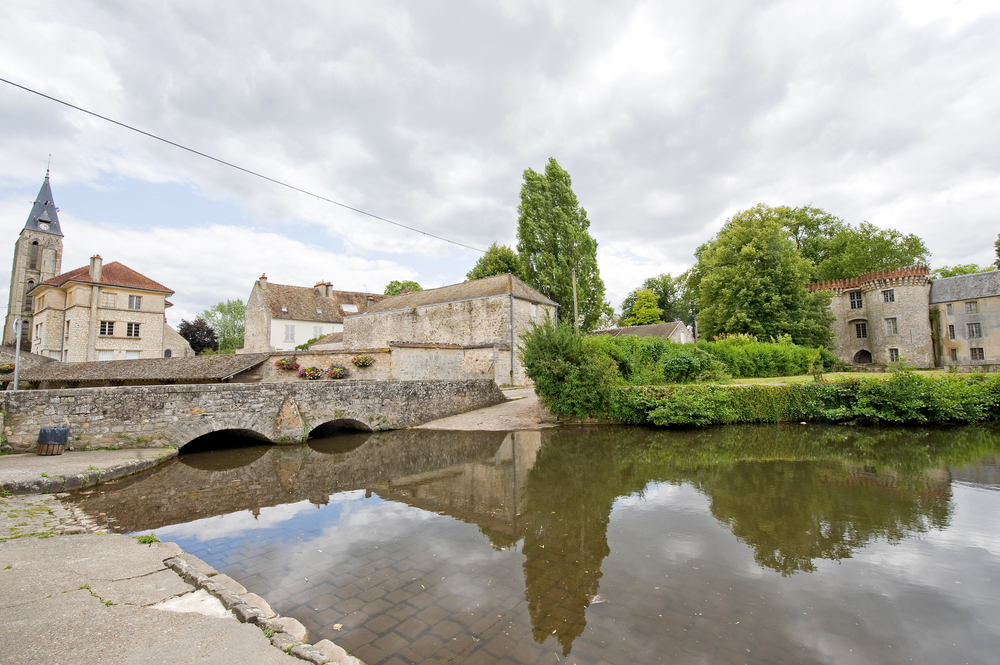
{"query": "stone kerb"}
pixel 157 416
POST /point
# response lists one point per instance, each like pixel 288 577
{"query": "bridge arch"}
pixel 221 437
pixel 338 426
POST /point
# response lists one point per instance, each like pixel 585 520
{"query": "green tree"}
pixel 198 334
pixel 752 279
pixel 553 239
pixel 669 298
pixel 395 287
pixel 812 230
pixel 961 269
pixel 856 250
pixel 996 250
pixel 498 260
pixel 227 320
pixel 644 310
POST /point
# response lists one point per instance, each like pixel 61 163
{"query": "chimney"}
pixel 262 282
pixel 95 268
pixel 323 288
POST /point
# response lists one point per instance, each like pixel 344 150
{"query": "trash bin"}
pixel 52 440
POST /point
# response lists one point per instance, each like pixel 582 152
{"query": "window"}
pixel 108 299
pixel 975 330
pixel 856 302
pixel 349 308
pixel 131 329
pixel 66 332
pixel 131 355
pixel 167 353
pixel 951 331
pixel 33 259
pixel 890 327
pixel 55 355
pixel 534 311
pixel 317 331
pixel 41 302
pixel 28 299
pixel 889 295
pixel 954 355
pixel 135 302
pixel 949 309
pixel 977 354
pixel 893 355
pixel 289 333
pixel 972 307
pixel 105 355
pixel 861 329
pixel 107 328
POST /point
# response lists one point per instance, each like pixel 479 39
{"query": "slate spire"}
pixel 44 215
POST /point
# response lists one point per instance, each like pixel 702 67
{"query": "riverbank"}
pixel 29 473
pixel 104 598
pixel 521 411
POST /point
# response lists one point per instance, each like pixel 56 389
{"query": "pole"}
pixel 17 349
pixel 576 316
pixel 510 285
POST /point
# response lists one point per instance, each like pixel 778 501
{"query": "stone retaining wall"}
pixel 155 416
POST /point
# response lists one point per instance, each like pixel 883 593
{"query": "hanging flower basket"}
pixel 287 364
pixel 6 368
pixel 311 373
pixel 338 372
pixel 362 360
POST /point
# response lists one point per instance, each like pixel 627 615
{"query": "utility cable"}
pixel 240 168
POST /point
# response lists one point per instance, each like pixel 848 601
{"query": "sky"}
pixel 669 116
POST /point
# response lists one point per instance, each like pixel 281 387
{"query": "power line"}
pixel 240 168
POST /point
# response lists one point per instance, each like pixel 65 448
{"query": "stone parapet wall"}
pixel 380 371
pixel 156 416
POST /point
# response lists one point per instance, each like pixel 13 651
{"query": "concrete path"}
pixel 28 473
pixel 522 411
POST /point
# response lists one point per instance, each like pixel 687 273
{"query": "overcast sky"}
pixel 669 116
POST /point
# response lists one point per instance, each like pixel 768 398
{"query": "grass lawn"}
pixel 830 376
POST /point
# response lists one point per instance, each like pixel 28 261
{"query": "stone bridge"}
pixel 153 416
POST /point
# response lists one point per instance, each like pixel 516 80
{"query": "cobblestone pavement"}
pixel 38 515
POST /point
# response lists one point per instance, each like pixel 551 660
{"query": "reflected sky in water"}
pixel 772 544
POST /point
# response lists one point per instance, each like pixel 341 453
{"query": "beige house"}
pixel 485 315
pixel 100 312
pixel 280 317
pixel 966 313
pixel 881 317
pixel 675 331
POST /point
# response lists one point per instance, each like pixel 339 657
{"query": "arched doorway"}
pixel 863 357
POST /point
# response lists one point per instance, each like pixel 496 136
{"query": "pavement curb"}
pixel 285 633
pixel 65 483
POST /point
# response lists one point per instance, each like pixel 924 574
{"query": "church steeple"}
pixel 44 215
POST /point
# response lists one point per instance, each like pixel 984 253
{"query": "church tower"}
pixel 37 257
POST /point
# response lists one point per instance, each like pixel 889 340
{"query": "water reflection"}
pixel 794 495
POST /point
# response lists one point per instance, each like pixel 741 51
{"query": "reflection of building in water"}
pixel 488 493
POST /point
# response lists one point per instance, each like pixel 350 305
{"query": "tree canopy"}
pixel 553 239
pixel 856 250
pixel 961 269
pixel 643 310
pixel 227 320
pixel 395 287
pixel 752 279
pixel 498 260
pixel 669 298
pixel 198 334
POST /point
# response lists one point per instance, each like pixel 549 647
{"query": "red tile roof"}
pixel 112 274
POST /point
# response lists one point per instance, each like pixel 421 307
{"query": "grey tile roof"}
pixel 663 330
pixel 44 210
pixel 478 288
pixel 195 368
pixel 332 338
pixel 304 303
pixel 965 287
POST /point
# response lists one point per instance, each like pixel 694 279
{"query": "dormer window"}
pixel 319 311
pixel 284 309
pixel 349 308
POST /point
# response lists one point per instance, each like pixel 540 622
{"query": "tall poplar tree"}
pixel 553 239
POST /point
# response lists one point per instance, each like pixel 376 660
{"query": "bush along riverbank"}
pixel 642 381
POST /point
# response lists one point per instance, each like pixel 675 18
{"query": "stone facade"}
pixel 153 416
pixel 882 316
pixel 966 313
pixel 473 315
pixel 99 313
pixel 37 257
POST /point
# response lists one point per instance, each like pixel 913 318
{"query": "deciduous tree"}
pixel 498 260
pixel 227 320
pixel 553 239
pixel 961 269
pixel 644 310
pixel 669 298
pixel 395 287
pixel 855 250
pixel 198 334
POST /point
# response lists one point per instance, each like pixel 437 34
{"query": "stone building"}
pixel 99 312
pixel 487 315
pixel 966 314
pixel 674 331
pixel 280 317
pixel 882 316
pixel 37 257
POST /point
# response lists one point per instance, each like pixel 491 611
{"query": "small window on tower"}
pixel 856 302
pixel 889 295
pixel 135 302
pixel 861 329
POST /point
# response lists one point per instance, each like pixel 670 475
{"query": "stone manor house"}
pixel 96 312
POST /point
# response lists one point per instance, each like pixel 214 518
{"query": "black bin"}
pixel 52 440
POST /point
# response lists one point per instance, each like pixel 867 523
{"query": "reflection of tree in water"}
pixel 793 494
